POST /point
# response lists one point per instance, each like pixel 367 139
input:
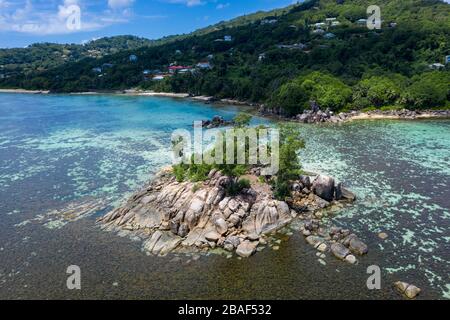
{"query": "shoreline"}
pixel 425 115
pixel 405 114
pixel 24 91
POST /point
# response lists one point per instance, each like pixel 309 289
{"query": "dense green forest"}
pixel 43 56
pixel 343 66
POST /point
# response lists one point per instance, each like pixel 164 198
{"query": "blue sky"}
pixel 23 22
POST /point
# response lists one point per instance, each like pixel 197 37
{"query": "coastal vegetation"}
pixel 44 56
pixel 280 59
pixel 290 144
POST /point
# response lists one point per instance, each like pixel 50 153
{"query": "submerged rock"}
pixel 383 235
pixel 342 193
pixel 357 246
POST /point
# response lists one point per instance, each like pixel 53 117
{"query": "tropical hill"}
pixel 318 50
pixel 43 56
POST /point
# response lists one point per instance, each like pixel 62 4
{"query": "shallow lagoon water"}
pixel 87 153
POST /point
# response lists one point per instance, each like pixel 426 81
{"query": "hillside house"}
pixel 179 69
pixel 261 57
pixel 133 58
pixel 159 77
pixel 269 21
pixel 329 35
pixel 204 65
pixel 97 70
pixel 361 22
pixel 318 31
pixel 227 38
pixel 436 66
pixel 319 25
pixel 299 46
pixel 147 74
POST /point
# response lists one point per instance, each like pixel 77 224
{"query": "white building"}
pixel 436 66
pixel 204 65
pixel 269 21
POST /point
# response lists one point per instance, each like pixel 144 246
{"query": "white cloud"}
pixel 114 4
pixel 4 4
pixel 221 6
pixel 189 3
pixel 47 20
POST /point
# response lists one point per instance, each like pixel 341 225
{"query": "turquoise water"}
pixel 65 160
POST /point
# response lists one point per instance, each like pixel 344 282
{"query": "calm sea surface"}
pixel 65 160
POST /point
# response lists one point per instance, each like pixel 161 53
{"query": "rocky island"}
pixel 216 210
pixel 188 216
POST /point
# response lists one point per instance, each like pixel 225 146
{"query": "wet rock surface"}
pixel 408 290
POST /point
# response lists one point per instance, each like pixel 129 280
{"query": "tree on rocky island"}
pixel 289 165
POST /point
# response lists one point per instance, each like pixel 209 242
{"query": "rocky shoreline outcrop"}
pixel 328 116
pixel 216 122
pixel 173 216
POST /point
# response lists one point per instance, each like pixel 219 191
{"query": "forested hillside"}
pixel 317 50
pixel 43 56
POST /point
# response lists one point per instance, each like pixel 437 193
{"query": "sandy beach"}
pixel 24 91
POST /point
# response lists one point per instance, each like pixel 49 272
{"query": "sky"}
pixel 23 22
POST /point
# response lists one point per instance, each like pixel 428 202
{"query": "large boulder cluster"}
pixel 318 192
pixel 216 122
pixel 312 116
pixel 319 116
pixel 310 195
pixel 409 114
pixel 181 216
pixel 409 290
pixel 184 214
